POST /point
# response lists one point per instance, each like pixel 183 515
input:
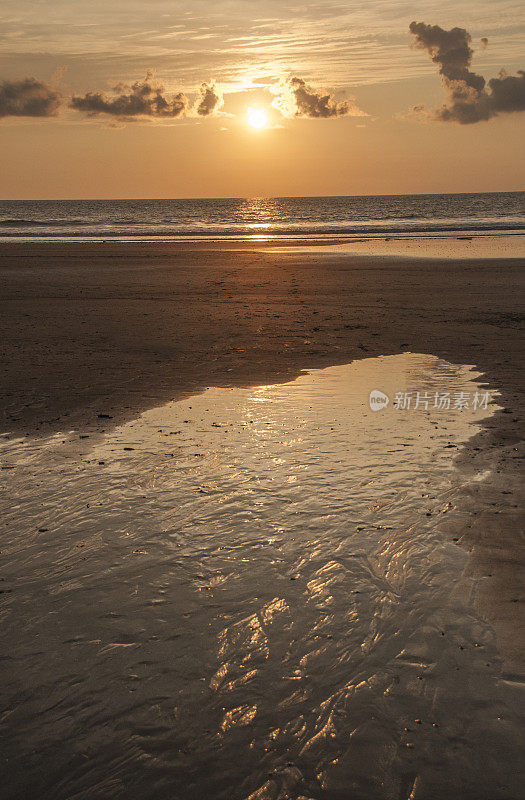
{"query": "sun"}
pixel 257 118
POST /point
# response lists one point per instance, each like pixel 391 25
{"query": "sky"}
pixel 252 98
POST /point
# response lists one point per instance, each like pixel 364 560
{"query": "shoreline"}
pixel 116 328
pixel 299 240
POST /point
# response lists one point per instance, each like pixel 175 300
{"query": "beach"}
pixel 96 335
pixel 262 282
pixel 118 327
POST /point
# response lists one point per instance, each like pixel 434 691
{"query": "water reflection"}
pixel 252 593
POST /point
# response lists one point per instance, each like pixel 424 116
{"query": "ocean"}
pixel 330 218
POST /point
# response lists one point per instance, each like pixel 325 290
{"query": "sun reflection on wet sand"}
pixel 253 583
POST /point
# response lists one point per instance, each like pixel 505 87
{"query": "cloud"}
pixel 142 99
pixel 451 50
pixel 28 97
pixel 294 98
pixel 468 99
pixel 508 92
pixel 210 101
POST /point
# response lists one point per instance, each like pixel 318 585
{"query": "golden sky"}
pixel 256 98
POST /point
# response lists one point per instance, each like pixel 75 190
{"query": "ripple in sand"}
pixel 252 591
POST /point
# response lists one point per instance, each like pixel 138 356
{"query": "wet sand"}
pixel 255 582
pixel 95 334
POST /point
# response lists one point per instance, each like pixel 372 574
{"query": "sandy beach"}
pixel 96 334
pixel 113 329
pixel 262 282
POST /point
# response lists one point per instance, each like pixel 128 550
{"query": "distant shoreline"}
pixel 326 239
pixel 255 197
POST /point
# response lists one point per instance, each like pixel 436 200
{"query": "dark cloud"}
pixel 508 92
pixel 142 99
pixel 296 99
pixel 469 101
pixel 28 97
pixel 451 50
pixel 312 104
pixel 210 101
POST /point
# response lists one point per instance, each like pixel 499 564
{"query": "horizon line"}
pixel 252 197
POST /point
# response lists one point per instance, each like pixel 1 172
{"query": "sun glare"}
pixel 257 118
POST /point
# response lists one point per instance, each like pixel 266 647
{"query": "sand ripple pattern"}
pixel 251 594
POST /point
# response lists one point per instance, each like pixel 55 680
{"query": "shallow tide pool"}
pixel 252 594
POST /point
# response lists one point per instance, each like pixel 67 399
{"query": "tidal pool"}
pixel 252 594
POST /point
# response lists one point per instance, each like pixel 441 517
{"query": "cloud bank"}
pixel 28 97
pixel 211 100
pixel 142 99
pixel 468 101
pixel 294 98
